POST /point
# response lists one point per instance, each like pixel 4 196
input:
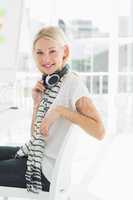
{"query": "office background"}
pixel 101 40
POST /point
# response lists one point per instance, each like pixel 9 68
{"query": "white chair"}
pixel 96 152
pixel 59 188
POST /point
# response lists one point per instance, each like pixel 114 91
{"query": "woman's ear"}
pixel 66 52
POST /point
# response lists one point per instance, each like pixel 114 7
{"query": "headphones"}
pixel 50 80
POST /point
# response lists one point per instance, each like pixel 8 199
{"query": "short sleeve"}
pixel 78 90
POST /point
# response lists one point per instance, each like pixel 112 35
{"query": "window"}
pixel 101 43
pixel 102 48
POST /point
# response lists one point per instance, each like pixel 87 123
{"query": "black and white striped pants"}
pixel 12 171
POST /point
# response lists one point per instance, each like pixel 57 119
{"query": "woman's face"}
pixel 49 55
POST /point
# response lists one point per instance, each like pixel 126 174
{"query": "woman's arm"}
pixel 86 117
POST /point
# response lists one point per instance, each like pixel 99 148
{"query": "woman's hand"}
pixel 49 119
pixel 37 93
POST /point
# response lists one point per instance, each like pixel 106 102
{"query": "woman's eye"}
pixel 52 51
pixel 39 52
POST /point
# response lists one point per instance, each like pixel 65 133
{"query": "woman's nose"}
pixel 46 58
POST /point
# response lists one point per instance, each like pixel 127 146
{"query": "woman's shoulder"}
pixel 72 77
pixel 74 83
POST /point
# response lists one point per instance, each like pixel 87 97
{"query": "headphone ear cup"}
pixel 51 80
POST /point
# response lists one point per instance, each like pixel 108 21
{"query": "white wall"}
pixel 10 32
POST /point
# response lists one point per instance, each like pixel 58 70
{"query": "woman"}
pixel 59 99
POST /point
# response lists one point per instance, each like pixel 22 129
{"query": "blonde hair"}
pixel 51 33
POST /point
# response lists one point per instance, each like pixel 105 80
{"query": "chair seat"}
pixel 22 192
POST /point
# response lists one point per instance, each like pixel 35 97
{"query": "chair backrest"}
pixel 60 183
pixel 61 179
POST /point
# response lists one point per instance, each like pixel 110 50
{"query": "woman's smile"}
pixel 47 65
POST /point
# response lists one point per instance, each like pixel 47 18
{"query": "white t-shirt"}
pixel 71 90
